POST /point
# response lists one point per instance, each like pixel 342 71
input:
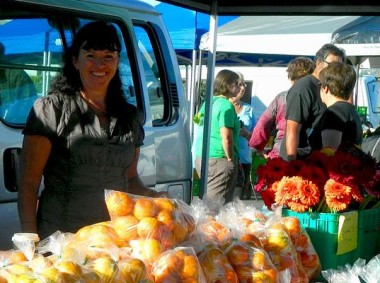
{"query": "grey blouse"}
pixel 85 160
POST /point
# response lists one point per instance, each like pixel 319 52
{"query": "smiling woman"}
pixel 93 146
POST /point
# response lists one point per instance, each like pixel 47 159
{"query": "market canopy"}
pixel 272 7
pixel 281 35
pixel 360 38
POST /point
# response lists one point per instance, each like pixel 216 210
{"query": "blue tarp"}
pixel 364 29
pixel 186 27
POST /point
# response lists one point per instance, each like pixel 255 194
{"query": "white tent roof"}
pixel 287 35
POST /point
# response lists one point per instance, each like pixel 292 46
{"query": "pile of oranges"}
pixel 159 240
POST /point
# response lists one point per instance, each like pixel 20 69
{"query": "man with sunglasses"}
pixel 304 105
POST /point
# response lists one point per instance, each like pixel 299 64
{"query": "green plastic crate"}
pixel 368 234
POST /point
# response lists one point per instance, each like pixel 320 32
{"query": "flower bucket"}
pixel 323 230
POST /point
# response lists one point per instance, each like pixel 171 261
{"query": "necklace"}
pixel 99 110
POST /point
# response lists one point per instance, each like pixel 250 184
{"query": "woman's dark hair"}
pixel 97 35
pixel 223 80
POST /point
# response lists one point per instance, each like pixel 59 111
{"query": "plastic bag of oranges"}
pixel 135 217
pixel 178 265
pixel 251 264
pixel 278 245
pixel 303 245
pixel 215 266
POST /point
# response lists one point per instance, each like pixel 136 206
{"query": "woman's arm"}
pixel 136 186
pixel 35 153
pixel 227 142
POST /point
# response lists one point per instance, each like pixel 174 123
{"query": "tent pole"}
pixel 208 98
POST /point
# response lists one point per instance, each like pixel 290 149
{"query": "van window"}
pixel 161 104
pixel 30 58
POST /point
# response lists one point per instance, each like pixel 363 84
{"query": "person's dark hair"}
pixel 97 35
pixel 340 78
pixel 329 49
pixel 223 80
pixel 300 67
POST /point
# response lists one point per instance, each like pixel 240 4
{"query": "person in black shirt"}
pixel 304 105
pixel 340 122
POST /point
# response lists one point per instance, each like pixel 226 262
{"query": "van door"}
pixel 149 72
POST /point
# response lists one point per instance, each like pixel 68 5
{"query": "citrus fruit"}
pixel 144 207
pixel 119 204
pixel 126 227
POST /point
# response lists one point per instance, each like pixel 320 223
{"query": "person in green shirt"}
pixel 224 139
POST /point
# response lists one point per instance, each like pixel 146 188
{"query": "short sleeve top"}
pixel 85 160
pixel 223 115
pixel 304 105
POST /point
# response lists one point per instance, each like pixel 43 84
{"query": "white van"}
pixel 34 34
pixel 368 98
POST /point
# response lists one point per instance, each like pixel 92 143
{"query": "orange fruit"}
pixel 52 274
pixel 190 267
pixel 69 269
pixel 189 220
pixel 103 236
pixel 276 240
pixel 17 256
pixel 28 278
pixel 167 218
pixel 173 261
pixel 18 268
pixel 293 225
pixel 238 254
pixel 91 277
pixel 252 240
pixel 166 277
pixel 166 238
pixel 180 232
pixel 119 204
pixel 243 273
pixel 259 260
pixel 148 227
pixel 152 250
pixel 3 278
pixel 260 277
pixel 148 250
pixel 132 270
pixel 216 266
pixel 272 274
pixel 301 242
pixel 165 204
pixel 126 227
pixel 105 267
pixel 144 207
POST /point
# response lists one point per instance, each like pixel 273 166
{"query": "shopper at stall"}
pixel 272 121
pixel 224 139
pixel 304 105
pixel 247 120
pixel 81 139
pixel 340 122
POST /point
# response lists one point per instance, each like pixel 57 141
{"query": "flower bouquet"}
pixel 325 181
